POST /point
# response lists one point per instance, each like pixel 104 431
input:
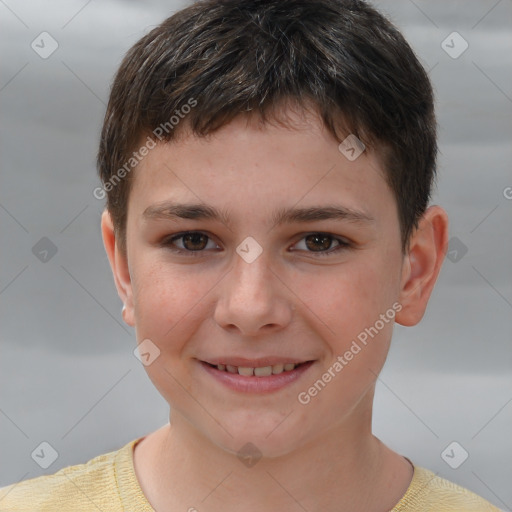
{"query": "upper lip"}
pixel 254 363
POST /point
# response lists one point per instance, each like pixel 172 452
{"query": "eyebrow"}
pixel 169 210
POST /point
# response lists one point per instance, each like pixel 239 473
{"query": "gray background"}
pixel 68 374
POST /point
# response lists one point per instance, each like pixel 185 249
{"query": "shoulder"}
pixel 431 493
pixel 88 486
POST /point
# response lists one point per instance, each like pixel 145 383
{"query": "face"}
pixel 258 286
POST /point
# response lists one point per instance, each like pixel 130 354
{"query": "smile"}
pixel 262 371
pixel 258 379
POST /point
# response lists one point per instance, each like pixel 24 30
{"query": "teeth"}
pixel 264 371
pixel 277 368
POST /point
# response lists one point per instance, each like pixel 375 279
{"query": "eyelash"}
pixel 168 243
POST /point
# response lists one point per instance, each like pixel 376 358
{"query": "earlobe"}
pixel 119 265
pixel 422 265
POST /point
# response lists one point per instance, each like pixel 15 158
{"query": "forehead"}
pixel 253 164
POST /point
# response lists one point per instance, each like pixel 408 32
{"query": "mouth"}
pixel 257 371
pixel 260 376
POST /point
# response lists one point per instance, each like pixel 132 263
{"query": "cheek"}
pixel 356 306
pixel 169 307
pixel 344 296
pixel 168 300
pixel 344 307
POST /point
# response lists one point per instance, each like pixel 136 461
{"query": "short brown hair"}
pixel 231 57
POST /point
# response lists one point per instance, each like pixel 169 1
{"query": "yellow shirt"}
pixel 108 483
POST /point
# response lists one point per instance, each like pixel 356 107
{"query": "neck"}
pixel 344 469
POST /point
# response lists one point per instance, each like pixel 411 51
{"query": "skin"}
pixel 290 301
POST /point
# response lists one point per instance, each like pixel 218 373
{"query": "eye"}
pixel 320 243
pixel 193 243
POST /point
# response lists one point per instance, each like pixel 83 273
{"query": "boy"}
pixel 267 167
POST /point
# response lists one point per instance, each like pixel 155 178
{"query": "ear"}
pixel 422 264
pixel 119 264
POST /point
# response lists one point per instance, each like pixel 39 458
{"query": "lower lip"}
pixel 253 384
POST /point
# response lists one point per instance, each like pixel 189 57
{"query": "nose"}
pixel 253 299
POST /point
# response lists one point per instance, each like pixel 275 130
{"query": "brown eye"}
pixel 318 242
pixel 321 243
pixel 194 241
